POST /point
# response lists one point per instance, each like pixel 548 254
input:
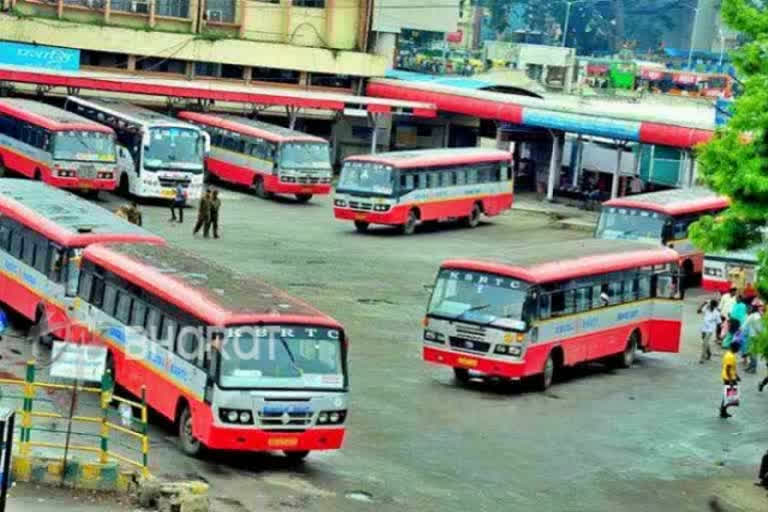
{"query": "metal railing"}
pixel 137 430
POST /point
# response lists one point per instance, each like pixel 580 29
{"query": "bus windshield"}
pixel 305 155
pixel 480 298
pixel 175 148
pixel 282 358
pixel 618 223
pixel 366 177
pixel 84 146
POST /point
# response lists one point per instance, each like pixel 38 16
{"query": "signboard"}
pixel 39 56
pixel 80 362
pixel 652 74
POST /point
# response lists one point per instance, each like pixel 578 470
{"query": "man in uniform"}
pixel 215 205
pixel 204 214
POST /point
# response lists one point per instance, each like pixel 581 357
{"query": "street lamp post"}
pixel 568 4
pixel 693 32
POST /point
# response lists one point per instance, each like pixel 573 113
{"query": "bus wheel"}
pixel 189 444
pixel 297 456
pixel 461 375
pixel 3 170
pixel 303 198
pixel 474 217
pixel 259 190
pixel 123 187
pixel 361 226
pixel 547 376
pixel 38 333
pixel 38 175
pixel 627 358
pixel 409 227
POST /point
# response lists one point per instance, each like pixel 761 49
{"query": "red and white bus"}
pixel 55 146
pixel 43 231
pixel 719 268
pixel 551 307
pixel 268 158
pixel 662 217
pixel 236 363
pixel 405 188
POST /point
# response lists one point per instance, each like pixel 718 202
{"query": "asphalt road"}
pixel 641 439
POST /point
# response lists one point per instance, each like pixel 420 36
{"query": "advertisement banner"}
pixel 39 56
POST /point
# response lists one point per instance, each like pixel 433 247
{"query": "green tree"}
pixel 735 162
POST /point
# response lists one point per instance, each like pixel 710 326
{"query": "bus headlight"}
pixel 514 351
pixel 433 336
pixel 240 416
pixel 380 207
pixel 331 417
pixel 508 350
pixel 339 202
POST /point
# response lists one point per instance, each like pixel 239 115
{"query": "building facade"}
pixel 322 43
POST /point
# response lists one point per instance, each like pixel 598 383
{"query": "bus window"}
pixel 630 290
pixel 123 310
pixel 97 293
pixel 153 324
pixel 407 182
pixel 168 332
pixel 644 286
pixel 86 283
pixel 73 271
pixel 189 345
pixel 545 306
pixel 139 313
pixel 17 243
pixel 461 176
pixel 110 299
pixel 615 289
pixel 471 176
pixel 422 180
pixel 583 299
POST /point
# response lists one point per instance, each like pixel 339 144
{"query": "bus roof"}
pixel 245 126
pixel 674 202
pixel 65 218
pixel 49 117
pixel 571 260
pixel 216 295
pixel 128 112
pixel 748 256
pixel 434 157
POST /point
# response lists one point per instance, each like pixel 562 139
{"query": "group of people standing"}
pixel 735 322
pixel 207 212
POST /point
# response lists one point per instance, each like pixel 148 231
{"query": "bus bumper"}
pixel 479 364
pixel 718 285
pixel 274 185
pixel 392 217
pixel 82 184
pixel 252 439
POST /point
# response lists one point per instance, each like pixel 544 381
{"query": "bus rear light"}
pixel 239 416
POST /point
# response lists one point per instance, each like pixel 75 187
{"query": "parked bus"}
pixel 155 152
pixel 553 306
pixel 43 231
pixel 405 188
pixel 236 363
pixel 54 146
pixel 269 158
pixel 719 269
pixel 662 217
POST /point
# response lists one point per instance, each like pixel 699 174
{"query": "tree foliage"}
pixel 735 162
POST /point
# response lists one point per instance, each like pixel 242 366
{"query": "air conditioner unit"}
pixel 213 15
pixel 140 7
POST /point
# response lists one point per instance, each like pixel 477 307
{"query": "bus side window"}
pixel 422 180
pixel 17 243
pixel 138 313
pixel 123 309
pixel 168 332
pixel 407 182
pixel 97 293
pixel 28 255
pixel 85 285
pixel 43 254
pixel 545 306
pixel 583 299
pixel 110 298
pixel 597 302
pixel 471 176
pixel 153 324
pixel 615 291
pixel 643 286
pixel 461 177
pixel 188 347
pixel 5 235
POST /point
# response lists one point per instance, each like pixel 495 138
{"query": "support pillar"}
pixel 131 64
pixel 59 8
pixel 152 13
pixel 694 170
pixel 615 182
pixel 243 18
pixel 555 165
pixel 373 122
pixel 578 147
pixel 447 135
pixel 516 155
pixel 107 10
pixel 293 114
pixel 189 70
pixel 247 74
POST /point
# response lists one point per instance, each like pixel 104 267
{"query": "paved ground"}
pixel 635 440
pixel 35 498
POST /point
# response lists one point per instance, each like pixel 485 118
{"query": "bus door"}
pixel 666 317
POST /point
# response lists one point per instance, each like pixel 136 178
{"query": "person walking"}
pixel 710 322
pixel 215 206
pixel 753 329
pixel 726 305
pixel 178 203
pixel 730 377
pixel 134 214
pixel 204 214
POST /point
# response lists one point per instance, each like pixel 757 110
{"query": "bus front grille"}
pixel 465 344
pixel 172 182
pixel 291 419
pixel 355 205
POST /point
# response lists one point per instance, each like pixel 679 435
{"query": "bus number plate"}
pixel 466 361
pixel 168 192
pixel 283 442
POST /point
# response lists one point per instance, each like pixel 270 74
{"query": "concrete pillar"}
pixel 499 137
pixel 243 18
pixel 385 44
pixel 189 72
pixel 555 165
pixel 577 149
pixel 59 8
pixel 694 170
pixel 447 134
pixel 131 65
pixel 373 122
pixel 615 182
pixel 516 155
pixel 247 74
pixel 303 79
pixel 152 13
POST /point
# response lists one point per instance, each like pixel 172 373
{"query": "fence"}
pixel 105 427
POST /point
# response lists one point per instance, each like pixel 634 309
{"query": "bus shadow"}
pixel 250 193
pixel 425 229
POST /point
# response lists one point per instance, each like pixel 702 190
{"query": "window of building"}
pixel 318 4
pixel 282 76
pixel 231 71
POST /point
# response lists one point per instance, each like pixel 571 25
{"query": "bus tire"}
pixel 38 175
pixel 39 331
pixel 473 220
pixel 123 187
pixel 627 357
pixel 296 456
pixel 259 190
pixel 361 226
pixel 409 227
pixel 189 445
pixel 461 375
pixel 303 198
pixel 544 380
pixel 690 278
pixel 3 169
